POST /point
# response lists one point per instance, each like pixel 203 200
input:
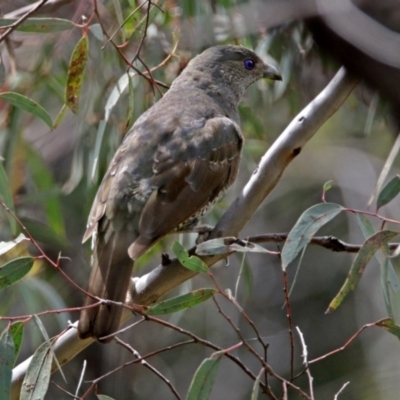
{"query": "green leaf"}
pixel 28 105
pixel 137 29
pixel 385 281
pixel 389 192
pixel 306 227
pixel 75 73
pixel 193 263
pixel 14 270
pixel 7 357
pixel 97 147
pixel 40 25
pixel 46 337
pixel 37 378
pixel 388 274
pixel 181 302
pixel 17 333
pixel 6 196
pixel 60 116
pixel 104 397
pixel 256 386
pixel 365 224
pixel 131 103
pixel 367 251
pixel 2 73
pixel 327 186
pixel 390 326
pixel 204 378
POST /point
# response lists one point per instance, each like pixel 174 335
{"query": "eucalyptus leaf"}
pixel 305 228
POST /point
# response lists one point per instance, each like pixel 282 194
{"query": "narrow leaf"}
pixel 385 281
pixel 40 25
pixel 368 230
pixel 204 378
pixel 14 270
pixel 104 397
pixel 386 169
pixel 97 147
pixel 46 337
pixel 181 302
pixel 131 102
pixel 26 104
pixel 37 378
pixel 389 192
pixel 228 245
pixel 365 224
pixel 256 386
pixel 6 196
pixel 7 357
pixel 17 333
pixel 60 116
pixel 367 251
pixel 75 73
pixel 2 72
pixel 306 227
pixel 390 326
pixel 193 263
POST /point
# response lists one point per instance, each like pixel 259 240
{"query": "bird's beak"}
pixel 271 72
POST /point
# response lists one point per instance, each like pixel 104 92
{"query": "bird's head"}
pixel 235 66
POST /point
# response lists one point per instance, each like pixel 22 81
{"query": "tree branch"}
pixel 22 19
pixel 328 242
pixel 150 287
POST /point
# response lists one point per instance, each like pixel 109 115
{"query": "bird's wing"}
pixel 100 202
pixel 190 173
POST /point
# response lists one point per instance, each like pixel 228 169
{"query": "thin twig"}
pixel 15 24
pixel 150 367
pixel 305 362
pixel 341 390
pixel 348 342
pixel 290 322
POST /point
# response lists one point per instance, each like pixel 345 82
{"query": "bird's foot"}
pixel 203 231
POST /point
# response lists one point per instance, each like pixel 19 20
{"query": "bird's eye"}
pixel 249 64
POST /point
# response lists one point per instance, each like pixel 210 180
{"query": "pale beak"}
pixel 272 73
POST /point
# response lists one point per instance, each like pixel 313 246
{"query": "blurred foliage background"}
pixel 54 174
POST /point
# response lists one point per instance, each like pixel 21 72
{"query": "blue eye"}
pixel 249 64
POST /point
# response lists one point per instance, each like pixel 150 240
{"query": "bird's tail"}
pixel 109 280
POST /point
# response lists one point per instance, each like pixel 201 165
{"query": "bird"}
pixel 173 165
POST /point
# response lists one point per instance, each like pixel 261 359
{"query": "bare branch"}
pixel 328 242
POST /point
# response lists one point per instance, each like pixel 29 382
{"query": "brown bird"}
pixel 176 161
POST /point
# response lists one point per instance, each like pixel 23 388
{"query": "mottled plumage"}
pixel 176 161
